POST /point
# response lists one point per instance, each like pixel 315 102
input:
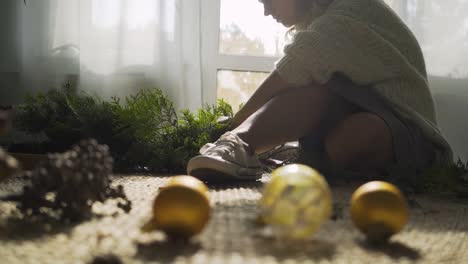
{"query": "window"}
pixel 239 49
pixel 240 45
pixel 236 87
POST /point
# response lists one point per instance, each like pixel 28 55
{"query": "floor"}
pixel 437 233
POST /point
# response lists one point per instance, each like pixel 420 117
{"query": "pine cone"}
pixel 69 183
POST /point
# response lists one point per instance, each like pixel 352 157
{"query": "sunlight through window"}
pixel 245 31
pixel 105 13
pixel 236 87
pixel 140 13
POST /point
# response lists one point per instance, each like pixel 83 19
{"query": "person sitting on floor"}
pixel 352 86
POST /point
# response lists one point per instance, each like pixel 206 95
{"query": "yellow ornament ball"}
pixel 181 209
pixel 296 201
pixel 379 210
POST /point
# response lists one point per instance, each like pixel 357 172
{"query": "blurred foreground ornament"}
pixel 379 210
pixel 296 201
pixel 8 165
pixel 181 209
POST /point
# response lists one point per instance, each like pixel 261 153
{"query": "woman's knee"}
pixel 362 140
pixel 307 93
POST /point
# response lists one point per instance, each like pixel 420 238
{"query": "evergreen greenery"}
pixel 449 181
pixel 143 131
pixel 446 181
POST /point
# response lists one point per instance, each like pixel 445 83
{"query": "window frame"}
pixel 213 61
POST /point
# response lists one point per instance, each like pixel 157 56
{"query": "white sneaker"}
pixel 226 159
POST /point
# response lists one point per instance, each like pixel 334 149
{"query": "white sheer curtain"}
pixel 111 47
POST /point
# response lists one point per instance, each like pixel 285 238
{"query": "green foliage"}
pixel 182 141
pixel 447 181
pixel 50 113
pixel 143 132
pixel 146 115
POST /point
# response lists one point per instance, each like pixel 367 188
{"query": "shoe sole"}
pixel 213 170
pixel 214 176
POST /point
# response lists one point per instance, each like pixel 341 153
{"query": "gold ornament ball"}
pixel 296 201
pixel 379 210
pixel 181 209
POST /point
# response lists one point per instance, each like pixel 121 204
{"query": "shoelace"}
pixel 225 145
pixel 222 146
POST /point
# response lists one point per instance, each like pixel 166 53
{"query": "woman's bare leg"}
pixel 286 117
pixel 359 141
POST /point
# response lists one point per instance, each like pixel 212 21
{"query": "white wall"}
pixel 9 61
pixel 451 96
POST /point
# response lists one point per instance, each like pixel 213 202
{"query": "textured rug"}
pixel 437 233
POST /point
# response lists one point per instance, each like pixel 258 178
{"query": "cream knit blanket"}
pixel 369 43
